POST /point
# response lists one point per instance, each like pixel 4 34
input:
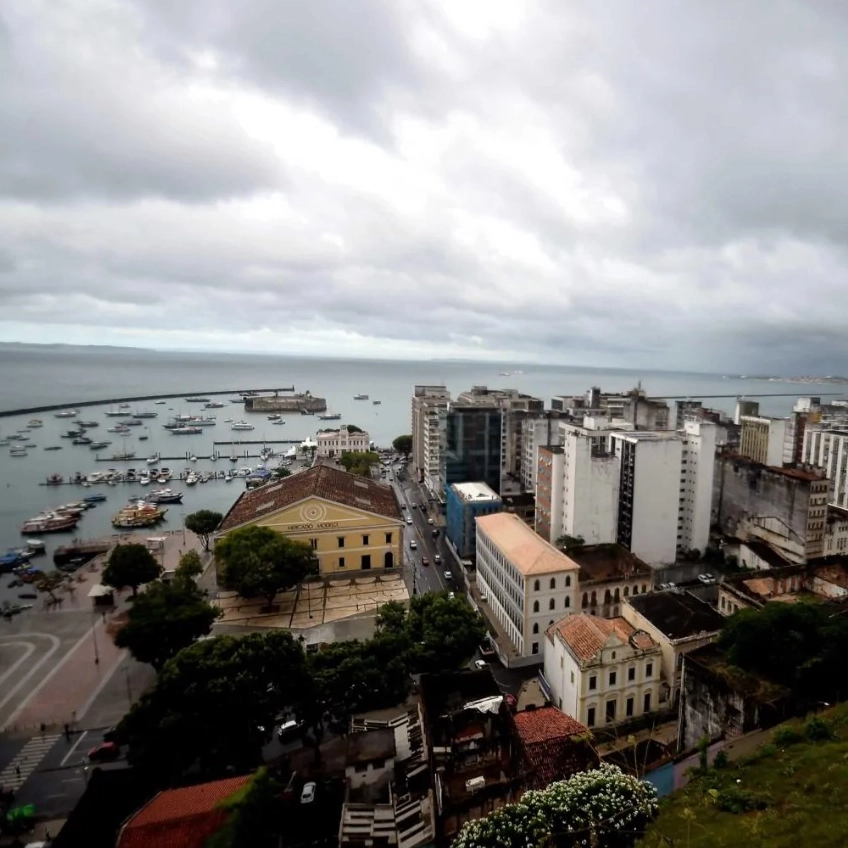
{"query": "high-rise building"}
pixel 429 410
pixel 473 444
pixel 763 439
pixel 537 430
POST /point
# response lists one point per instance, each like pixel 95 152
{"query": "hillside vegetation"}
pixel 792 791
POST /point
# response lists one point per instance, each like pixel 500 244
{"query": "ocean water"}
pixel 34 376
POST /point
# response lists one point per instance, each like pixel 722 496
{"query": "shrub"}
pixel 787 735
pixel 817 730
pixel 721 760
pixel 736 800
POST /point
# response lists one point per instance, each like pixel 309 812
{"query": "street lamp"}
pixel 94 639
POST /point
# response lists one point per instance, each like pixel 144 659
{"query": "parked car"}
pixel 307 795
pixel 104 752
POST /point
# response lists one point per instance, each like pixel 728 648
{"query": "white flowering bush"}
pixel 602 808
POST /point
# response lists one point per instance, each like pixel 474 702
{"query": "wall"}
pixel 563 595
pixel 461 528
pixel 697 479
pixel 368 774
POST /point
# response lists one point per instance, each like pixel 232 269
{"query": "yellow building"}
pixel 352 523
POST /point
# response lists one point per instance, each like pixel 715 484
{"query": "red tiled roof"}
pixel 550 749
pixel 585 634
pixel 321 481
pixel 180 818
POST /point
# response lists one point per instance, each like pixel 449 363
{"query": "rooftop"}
pixel 806 474
pixel 523 547
pixel 451 691
pixel 475 492
pixel 585 635
pixel 607 562
pixel 676 614
pixel 545 724
pixel 321 481
pixel 181 818
pixel 369 745
pixel 766 553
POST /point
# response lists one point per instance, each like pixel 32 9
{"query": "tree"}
pixel 130 565
pixel 258 561
pixel 281 472
pixel 566 542
pixel 204 523
pixel 359 462
pixel 403 444
pixel 214 704
pixel 164 620
pixel 256 815
pixel 604 808
pixel 190 566
pixel 352 428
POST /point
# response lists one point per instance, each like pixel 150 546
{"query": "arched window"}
pixel 567 580
pixel 551 604
pixel 535 627
pixel 594 598
pixel 617 596
pixel 535 606
pixel 568 601
pixel 607 597
pixel 553 582
pixel 535 585
pixel 644 588
pixel 626 591
pixel 585 600
pixel 615 610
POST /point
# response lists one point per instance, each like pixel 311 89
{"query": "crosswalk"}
pixel 27 761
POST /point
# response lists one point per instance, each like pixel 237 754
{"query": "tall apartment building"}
pixel 763 439
pixel 473 444
pixel 429 411
pixel 536 431
pixel 696 483
pixel 827 449
pixel 634 407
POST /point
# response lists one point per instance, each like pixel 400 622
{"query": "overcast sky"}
pixel 653 184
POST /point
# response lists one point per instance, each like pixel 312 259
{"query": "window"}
pixel 593 682
pixel 613 654
pixel 535 648
pixel 647 702
pixel 626 591
pixel 536 585
pixel 341 541
pixel 590 717
pixel 572 677
pixel 365 540
pixel 649 669
pixel 314 544
pixel 553 582
pixel 613 678
pixel 567 602
pixel 535 627
pixel 585 600
pixel 610 711
pixel 366 562
pixel 644 588
pixel 551 604
pixel 535 606
pixel 628 708
pixel 567 581
pixel 388 538
pixel 341 562
pixel 631 673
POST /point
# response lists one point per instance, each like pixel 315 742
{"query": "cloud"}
pixel 558 182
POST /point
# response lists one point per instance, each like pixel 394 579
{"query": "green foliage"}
pixel 352 428
pixel 735 800
pixel 281 472
pixel 164 620
pixel 359 462
pixel 603 807
pixel 721 760
pixel 204 523
pixel 403 444
pixel 190 566
pixel 785 735
pixel 255 817
pixel 130 565
pixel 566 542
pixel 214 704
pixel 817 730
pixel 800 646
pixel 259 562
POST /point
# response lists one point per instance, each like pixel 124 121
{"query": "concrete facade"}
pixel 536 431
pixel 429 410
pixel 465 503
pixel 696 484
pixel 763 439
pixel 336 442
pixel 827 449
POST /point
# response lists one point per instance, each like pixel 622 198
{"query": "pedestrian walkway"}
pixel 27 761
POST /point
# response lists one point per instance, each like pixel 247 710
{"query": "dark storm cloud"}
pixel 574 182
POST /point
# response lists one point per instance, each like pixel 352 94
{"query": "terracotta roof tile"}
pixel 585 634
pixel 546 723
pixel 180 818
pixel 522 546
pixel 321 481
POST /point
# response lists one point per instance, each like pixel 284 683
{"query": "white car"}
pixel 307 796
pixel 409 519
pixel 448 575
pixel 437 558
pixel 707 579
pixel 479 665
pixel 413 544
pixel 430 521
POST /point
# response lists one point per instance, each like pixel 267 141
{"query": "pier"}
pixel 80 404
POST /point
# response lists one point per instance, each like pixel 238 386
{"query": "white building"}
pixel 536 432
pixel 763 439
pixel 429 414
pixel 828 449
pixel 696 484
pixel 525 582
pixel 336 442
pixel 602 671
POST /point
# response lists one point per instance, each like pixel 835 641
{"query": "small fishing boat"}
pixel 55 479
pixel 35 423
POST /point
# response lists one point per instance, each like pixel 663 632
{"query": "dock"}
pixel 80 404
pixel 65 553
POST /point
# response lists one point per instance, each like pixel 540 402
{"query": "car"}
pixel 104 752
pixel 409 519
pixel 707 578
pixel 307 795
pixel 413 544
pixel 425 561
pixel 448 575
pixel 451 594
pixel 435 532
pixel 480 665
pixel 403 506
pixel 430 521
pixel 437 558
pixel 414 506
pixel 289 730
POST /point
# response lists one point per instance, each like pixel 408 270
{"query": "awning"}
pixel 100 591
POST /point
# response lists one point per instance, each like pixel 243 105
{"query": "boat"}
pixel 152 460
pixel 123 455
pixel 94 498
pixel 274 417
pixel 35 423
pixel 197 400
pixel 161 402
pixel 140 514
pixel 143 438
pixel 131 422
pixel 191 421
pixel 241 425
pixel 166 496
pixel 18 451
pixel 53 447
pixel 214 404
pixel 191 478
pixel 376 402
pixel 87 425
pixel 122 410
pixel 278 423
pixel 55 479
pixel 360 397
pixel 35 546
pixel 146 414
pixel 120 429
pixel 67 413
pixel 144 478
pixel 330 416
pixel 237 400
pixel 192 458
pixel 185 431
pixel 165 474
pixel 50 522
pixel 82 440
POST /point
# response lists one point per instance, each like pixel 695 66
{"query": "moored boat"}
pixel 165 496
pixel 67 413
pixel 140 514
pixel 55 479
pixel 50 523
pixel 35 423
pixel 360 397
pixel 99 445
pixel 242 425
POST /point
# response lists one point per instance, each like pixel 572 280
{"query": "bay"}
pixel 37 375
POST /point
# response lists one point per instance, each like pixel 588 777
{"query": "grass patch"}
pixel 792 791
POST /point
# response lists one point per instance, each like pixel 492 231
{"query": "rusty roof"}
pixel 181 818
pixel 321 481
pixel 585 635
